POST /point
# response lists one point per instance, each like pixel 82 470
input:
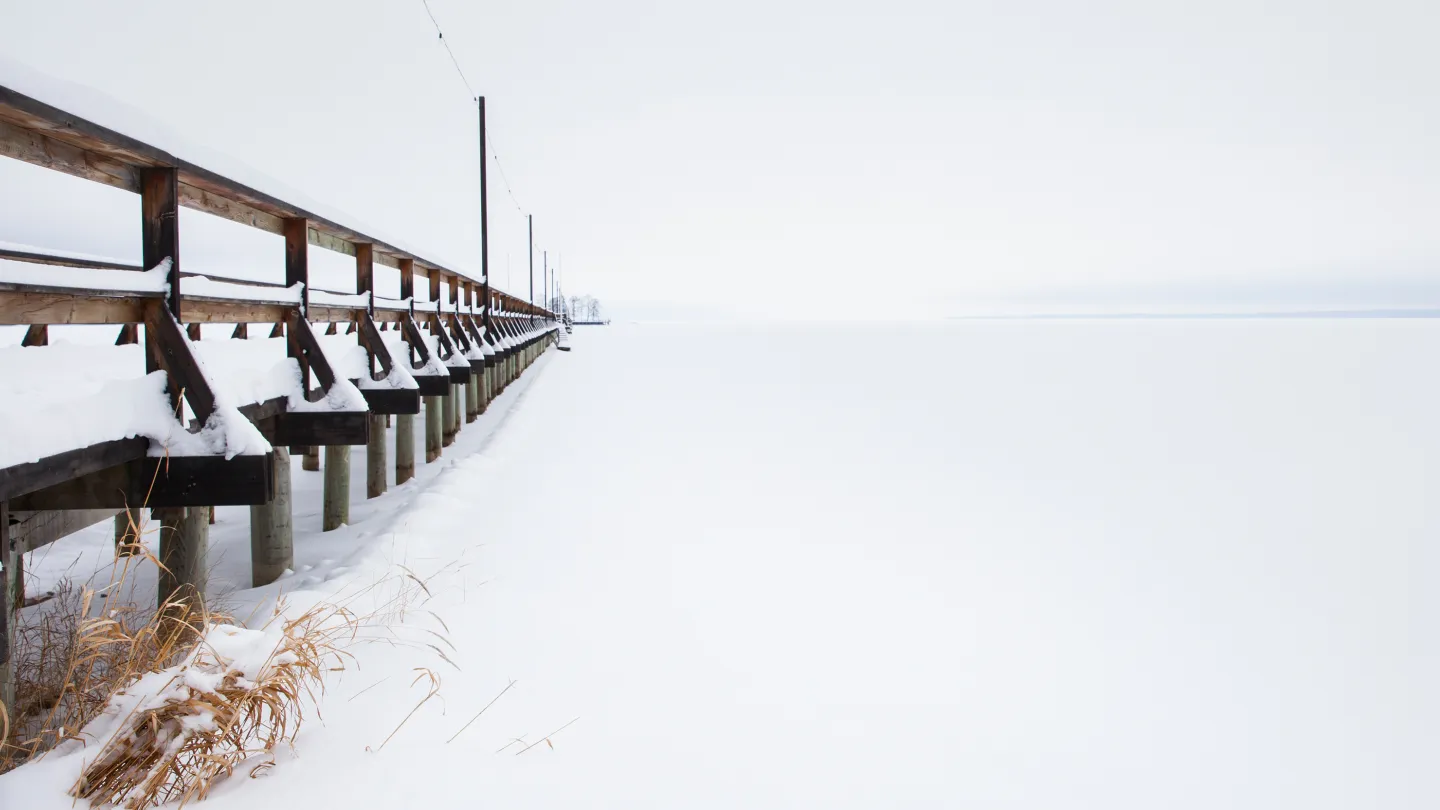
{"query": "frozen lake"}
pixel 1124 564
pixel 1110 564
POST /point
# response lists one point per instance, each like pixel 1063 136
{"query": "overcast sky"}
pixel 757 157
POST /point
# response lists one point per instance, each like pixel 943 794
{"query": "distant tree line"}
pixel 578 307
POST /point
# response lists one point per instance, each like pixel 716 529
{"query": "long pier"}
pixel 449 344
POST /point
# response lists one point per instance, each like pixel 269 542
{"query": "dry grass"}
pixel 171 710
pixel 211 714
pixel 162 697
pixel 67 669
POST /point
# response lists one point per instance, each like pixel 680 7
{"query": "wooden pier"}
pixel 460 346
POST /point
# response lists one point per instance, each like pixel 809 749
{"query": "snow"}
pixel 999 564
pixel 222 288
pixel 400 350
pixel 350 361
pixel 63 254
pixel 250 371
pixel 104 394
pixel 334 299
pixel 154 280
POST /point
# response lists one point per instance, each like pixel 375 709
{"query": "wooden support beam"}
pixel 129 335
pixel 306 348
pixel 199 309
pixel 32 530
pixel 158 482
pixel 38 305
pixel 242 331
pixel 192 331
pixel 36 475
pixel 319 428
pixel 37 335
pixel 168 349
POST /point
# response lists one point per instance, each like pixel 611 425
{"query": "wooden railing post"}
pixel 297 271
pixel 405 423
pixel 376 474
pixel 455 403
pixel 436 408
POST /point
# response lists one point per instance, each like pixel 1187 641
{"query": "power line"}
pixel 495 154
pixel 453 60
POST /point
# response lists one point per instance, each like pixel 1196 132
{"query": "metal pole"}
pixel 530 219
pixel 484 228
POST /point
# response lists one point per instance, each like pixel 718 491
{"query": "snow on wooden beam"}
pixel 43 135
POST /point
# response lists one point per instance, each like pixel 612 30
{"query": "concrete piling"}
pixel 433 428
pixel 184 545
pixel 127 531
pixel 272 530
pixel 336 509
pixel 375 472
pixel 447 436
pixel 404 448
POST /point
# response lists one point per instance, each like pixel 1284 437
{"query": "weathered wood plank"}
pixel 40 149
pixel 304 345
pixel 31 476
pixel 31 257
pixel 168 350
pixel 200 309
pixel 320 428
pixel 331 314
pixel 160 226
pixel 30 304
pixel 36 529
pixel 231 209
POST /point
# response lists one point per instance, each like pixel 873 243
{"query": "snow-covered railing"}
pixel 455 341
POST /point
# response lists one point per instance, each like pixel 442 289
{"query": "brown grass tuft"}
pixel 179 730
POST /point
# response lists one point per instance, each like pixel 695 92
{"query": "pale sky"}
pixel 762 157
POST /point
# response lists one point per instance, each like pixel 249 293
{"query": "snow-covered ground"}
pixel 1139 564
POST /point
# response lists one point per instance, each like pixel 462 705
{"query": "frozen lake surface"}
pixel 1109 564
